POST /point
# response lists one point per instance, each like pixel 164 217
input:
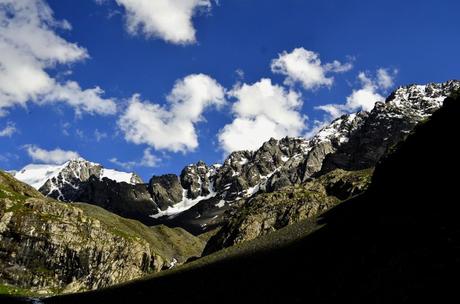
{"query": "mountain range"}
pixel 295 204
pixel 198 198
pixel 397 242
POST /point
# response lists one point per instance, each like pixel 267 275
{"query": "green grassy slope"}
pixel 168 242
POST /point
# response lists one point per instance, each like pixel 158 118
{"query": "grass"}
pixel 165 241
pixel 15 291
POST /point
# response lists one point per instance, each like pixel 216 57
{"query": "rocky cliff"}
pixel 47 246
pixel 269 212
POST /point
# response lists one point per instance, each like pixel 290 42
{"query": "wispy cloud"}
pixel 99 135
pixel 148 160
pixel 9 130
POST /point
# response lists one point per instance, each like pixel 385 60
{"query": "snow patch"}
pixel 117 176
pixel 284 158
pixel 37 175
pixel 220 204
pixel 243 161
pixel 185 204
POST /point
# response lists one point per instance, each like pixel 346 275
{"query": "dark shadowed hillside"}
pixel 398 242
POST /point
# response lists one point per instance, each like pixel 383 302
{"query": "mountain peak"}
pixel 50 178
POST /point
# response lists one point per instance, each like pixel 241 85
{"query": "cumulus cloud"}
pixel 172 127
pixel 365 97
pixel 9 130
pixel 56 156
pixel 148 160
pixel 29 48
pixel 305 67
pixel 170 20
pixel 262 110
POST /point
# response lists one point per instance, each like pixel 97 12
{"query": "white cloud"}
pixel 98 135
pixel 65 126
pixel 365 97
pixel 80 133
pixel 170 20
pixel 29 47
pixel 56 156
pixel 148 160
pixel 172 127
pixel 262 110
pixel 305 67
pixel 240 74
pixel 385 79
pixel 9 130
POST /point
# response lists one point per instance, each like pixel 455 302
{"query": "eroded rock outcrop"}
pixel 269 212
pixel 48 246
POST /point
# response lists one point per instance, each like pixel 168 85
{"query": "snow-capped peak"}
pixel 339 130
pixel 422 100
pixel 74 170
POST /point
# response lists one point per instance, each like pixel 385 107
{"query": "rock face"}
pixel 269 212
pixel 198 198
pixel 127 200
pixel 387 124
pixel 196 180
pixel 49 247
pixel 166 190
pixel 351 142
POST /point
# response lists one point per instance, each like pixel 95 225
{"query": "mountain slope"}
pixel 351 142
pixel 199 197
pixel 48 246
pixel 269 212
pixel 398 242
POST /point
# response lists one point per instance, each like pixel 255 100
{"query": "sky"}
pixel 151 86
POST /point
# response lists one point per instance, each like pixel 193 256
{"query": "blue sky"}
pixel 377 46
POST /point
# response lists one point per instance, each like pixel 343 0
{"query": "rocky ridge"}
pixel 352 142
pixel 272 211
pixel 201 194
